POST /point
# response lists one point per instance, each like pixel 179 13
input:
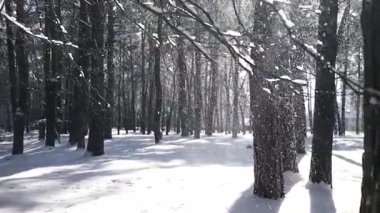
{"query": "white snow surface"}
pixel 212 174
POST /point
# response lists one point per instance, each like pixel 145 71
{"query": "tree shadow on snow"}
pixel 321 199
pixel 248 202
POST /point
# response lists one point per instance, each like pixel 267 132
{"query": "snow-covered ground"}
pixel 211 175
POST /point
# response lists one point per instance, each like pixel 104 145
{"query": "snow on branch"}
pixel 39 36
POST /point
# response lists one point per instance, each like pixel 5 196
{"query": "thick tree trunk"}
pixel 52 68
pixel 96 135
pixel 79 114
pixel 269 181
pixel 320 170
pixel 370 202
pixel 23 72
pixel 110 71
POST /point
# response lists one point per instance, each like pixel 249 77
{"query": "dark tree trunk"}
pixel 96 136
pixel 370 202
pixel 198 96
pixel 79 114
pixel 110 71
pixel 23 72
pixel 150 115
pixel 182 96
pixel 172 105
pixel 269 181
pixel 320 170
pixel 157 81
pixel 133 91
pixel 235 103
pixel 342 130
pixel 52 68
pixel 143 86
pixel 11 62
pixel 227 85
pixel 213 96
pixel 358 97
pixel 300 119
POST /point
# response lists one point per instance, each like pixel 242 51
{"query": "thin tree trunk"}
pixel 143 86
pixel 235 105
pixel 344 89
pixel 198 96
pixel 157 80
pixel 210 110
pixel 358 96
pixel 182 96
pixel 110 72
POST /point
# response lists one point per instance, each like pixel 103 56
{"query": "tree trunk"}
pixel 169 117
pixel 269 181
pixel 143 86
pixel 79 114
pixel 370 202
pixel 52 68
pixel 110 71
pixel 23 72
pixel 300 119
pixel 210 110
pixel 320 170
pixel 198 96
pixel 235 103
pixel 133 91
pixel 344 89
pixel 11 62
pixel 182 96
pixel 96 136
pixel 150 115
pixel 157 81
pixel 358 96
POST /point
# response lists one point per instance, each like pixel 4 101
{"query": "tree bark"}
pixel 79 114
pixel 143 86
pixel 157 81
pixel 268 174
pixel 96 135
pixel 210 110
pixel 110 72
pixel 320 170
pixel 198 96
pixel 52 68
pixel 182 96
pixel 23 72
pixel 370 202
pixel 235 103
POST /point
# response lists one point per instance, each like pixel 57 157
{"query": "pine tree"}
pixel 320 170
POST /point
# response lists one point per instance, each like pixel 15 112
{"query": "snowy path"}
pixel 181 175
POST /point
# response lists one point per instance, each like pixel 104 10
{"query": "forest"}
pixel 190 106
